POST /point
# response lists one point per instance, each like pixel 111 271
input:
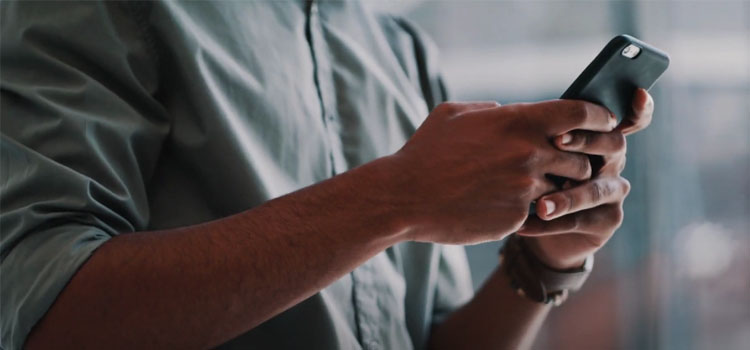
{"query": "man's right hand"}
pixel 470 172
pixel 466 176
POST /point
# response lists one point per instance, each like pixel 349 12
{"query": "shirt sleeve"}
pixel 81 133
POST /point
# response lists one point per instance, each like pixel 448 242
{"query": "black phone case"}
pixel 611 78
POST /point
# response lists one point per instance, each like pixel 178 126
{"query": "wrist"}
pixel 377 185
pixel 532 278
pixel 550 260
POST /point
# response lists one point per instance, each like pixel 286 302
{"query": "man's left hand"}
pixel 575 222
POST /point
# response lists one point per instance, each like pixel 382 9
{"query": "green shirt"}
pixel 124 117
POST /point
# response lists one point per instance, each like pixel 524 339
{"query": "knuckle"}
pixel 622 164
pixel 526 185
pixel 570 200
pixel 625 184
pixel 584 166
pixel 618 142
pixel 596 191
pixel 517 118
pixel 530 157
pixel 513 108
pixel 619 216
pixel 609 189
pixel 516 112
pixel 447 108
pixel 533 184
pixel 580 112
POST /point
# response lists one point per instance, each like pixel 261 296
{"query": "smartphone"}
pixel 624 65
pixel 611 79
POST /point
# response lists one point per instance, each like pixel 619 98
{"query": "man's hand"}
pixel 574 223
pixel 471 170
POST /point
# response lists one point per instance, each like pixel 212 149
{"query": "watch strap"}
pixel 537 281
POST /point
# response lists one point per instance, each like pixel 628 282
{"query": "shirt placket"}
pixel 325 88
pixel 364 278
pixel 366 305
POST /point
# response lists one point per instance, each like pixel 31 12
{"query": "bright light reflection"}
pixel 705 249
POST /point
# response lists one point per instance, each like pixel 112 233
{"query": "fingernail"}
pixel 566 139
pixel 550 205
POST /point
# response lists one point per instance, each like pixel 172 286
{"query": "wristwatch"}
pixel 533 279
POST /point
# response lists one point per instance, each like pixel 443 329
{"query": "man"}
pixel 244 175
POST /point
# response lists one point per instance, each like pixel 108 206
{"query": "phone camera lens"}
pixel 631 51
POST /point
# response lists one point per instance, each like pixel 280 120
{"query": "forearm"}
pixel 202 285
pixel 497 318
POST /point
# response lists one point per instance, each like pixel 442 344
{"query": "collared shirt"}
pixel 124 117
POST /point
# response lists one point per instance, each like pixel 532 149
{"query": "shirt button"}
pixel 330 117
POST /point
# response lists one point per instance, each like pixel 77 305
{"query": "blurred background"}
pixel 677 274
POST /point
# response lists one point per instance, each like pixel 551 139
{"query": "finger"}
pixel 457 108
pixel 601 220
pixel 588 195
pixel 589 142
pixel 569 165
pixel 562 116
pixel 541 188
pixel 643 111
